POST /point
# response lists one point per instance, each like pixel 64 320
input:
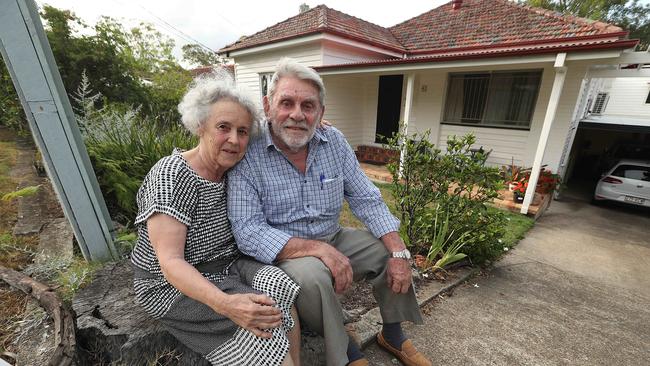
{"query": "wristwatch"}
pixel 402 254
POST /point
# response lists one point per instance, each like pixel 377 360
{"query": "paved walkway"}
pixel 575 291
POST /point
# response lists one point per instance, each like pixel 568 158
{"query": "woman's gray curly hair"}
pixel 209 89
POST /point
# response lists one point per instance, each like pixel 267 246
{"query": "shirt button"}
pixel 307 206
pixel 305 181
pixel 311 222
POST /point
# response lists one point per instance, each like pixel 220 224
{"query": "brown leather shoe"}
pixel 359 362
pixel 408 354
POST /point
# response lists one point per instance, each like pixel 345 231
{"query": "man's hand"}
pixel 399 270
pixel 335 261
pixel 399 275
pixel 339 266
pixel 252 312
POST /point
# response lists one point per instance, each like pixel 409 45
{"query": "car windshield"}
pixel 632 172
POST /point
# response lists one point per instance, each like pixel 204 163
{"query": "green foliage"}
pixel 24 192
pixel 456 182
pixel 444 245
pixel 420 182
pixel 199 56
pixel 631 15
pixel 73 276
pixel 123 147
pixel 11 112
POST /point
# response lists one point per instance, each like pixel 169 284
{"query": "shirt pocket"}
pixel 281 200
pixel 331 195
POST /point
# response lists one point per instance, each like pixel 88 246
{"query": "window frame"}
pixel 486 102
pixel 261 76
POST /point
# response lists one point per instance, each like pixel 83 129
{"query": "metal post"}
pixel 30 61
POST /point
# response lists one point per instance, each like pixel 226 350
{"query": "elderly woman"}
pixel 188 271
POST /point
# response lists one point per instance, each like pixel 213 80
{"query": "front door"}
pixel 389 106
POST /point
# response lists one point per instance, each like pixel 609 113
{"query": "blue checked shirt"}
pixel 270 201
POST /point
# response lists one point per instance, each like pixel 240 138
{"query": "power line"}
pixel 169 26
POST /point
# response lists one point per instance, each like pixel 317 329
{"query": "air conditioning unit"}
pixel 600 103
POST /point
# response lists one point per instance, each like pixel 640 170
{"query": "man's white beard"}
pixel 294 143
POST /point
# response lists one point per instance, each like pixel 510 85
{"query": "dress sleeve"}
pixel 170 189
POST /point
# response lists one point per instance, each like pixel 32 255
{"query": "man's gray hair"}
pixel 208 89
pixel 290 67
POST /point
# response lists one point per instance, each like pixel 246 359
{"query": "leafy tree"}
pixel 126 66
pixel 628 14
pixel 198 55
pixel 11 112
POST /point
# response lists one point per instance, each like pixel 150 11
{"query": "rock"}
pixel 113 328
pixel 55 242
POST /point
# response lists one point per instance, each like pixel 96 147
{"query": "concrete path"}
pixel 575 291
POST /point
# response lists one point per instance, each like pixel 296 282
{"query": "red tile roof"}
pixel 477 24
pixel 317 20
pixel 490 22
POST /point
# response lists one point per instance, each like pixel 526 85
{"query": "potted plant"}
pixel 519 191
pixel 511 174
pixel 547 182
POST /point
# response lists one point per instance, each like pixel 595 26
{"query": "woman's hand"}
pixel 252 312
pixel 324 124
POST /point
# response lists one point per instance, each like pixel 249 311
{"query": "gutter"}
pixel 622 44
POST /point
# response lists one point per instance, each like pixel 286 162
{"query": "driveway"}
pixel 575 291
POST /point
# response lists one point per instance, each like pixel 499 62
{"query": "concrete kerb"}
pixel 369 324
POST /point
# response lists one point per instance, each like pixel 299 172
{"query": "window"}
pixel 501 99
pixel 635 172
pixel 265 81
pixel 599 103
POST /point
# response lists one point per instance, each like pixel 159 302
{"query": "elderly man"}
pixel 284 203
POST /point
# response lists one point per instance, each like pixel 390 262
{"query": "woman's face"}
pixel 224 136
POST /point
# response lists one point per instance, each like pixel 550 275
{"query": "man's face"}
pixel 294 112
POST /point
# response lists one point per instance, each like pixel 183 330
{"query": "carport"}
pixel 599 142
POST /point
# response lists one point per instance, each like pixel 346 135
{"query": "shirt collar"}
pixel 319 135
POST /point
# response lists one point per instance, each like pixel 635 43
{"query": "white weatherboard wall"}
pixel 627 97
pixel 349 106
pixel 249 67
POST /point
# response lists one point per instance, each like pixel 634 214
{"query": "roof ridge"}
pixel 244 37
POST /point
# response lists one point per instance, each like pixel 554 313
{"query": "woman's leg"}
pixel 287 361
pixel 294 338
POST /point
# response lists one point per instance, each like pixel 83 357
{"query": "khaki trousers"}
pixel 318 305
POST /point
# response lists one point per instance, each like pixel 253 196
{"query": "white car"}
pixel 628 181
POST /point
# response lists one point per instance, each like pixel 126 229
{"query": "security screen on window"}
pixel 500 99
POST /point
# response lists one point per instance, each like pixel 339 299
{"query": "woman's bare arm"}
pixel 251 311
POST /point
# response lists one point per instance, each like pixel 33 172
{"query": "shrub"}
pixel 123 147
pixel 456 182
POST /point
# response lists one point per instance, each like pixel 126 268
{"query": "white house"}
pixel 509 73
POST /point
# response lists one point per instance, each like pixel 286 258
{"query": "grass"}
pixel 15 253
pixel 348 219
pixel 516 228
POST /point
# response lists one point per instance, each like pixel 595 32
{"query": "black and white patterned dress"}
pixel 174 189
